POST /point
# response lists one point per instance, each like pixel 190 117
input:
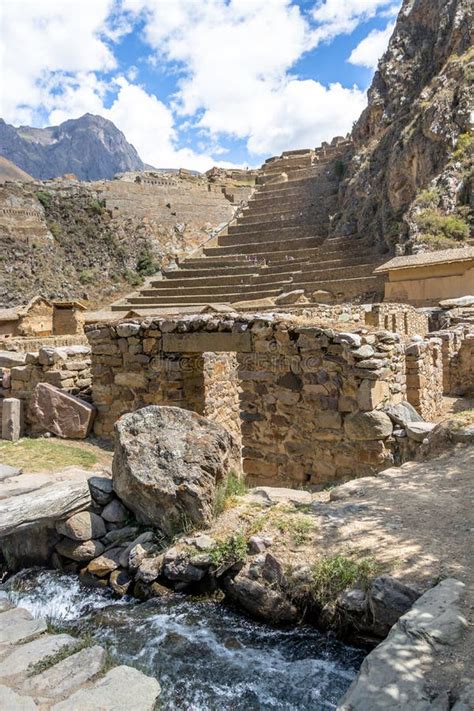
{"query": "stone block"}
pixel 372 393
pixel 64 415
pixel 207 342
pixel 12 419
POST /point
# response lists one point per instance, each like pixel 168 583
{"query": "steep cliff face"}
pixel 408 184
pixel 91 147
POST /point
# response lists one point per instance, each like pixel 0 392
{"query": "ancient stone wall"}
pixel 67 368
pixel 34 343
pixel 424 377
pixel 462 368
pixel 401 318
pixel 222 390
pixel 310 401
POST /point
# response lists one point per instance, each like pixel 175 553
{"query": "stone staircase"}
pixel 277 244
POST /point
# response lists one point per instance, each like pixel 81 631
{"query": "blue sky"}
pixel 193 83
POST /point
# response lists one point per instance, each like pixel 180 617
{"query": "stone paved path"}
pixel 39 670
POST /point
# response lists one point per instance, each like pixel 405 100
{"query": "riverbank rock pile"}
pixel 39 670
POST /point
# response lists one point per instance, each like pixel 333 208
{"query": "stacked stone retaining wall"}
pixel 310 401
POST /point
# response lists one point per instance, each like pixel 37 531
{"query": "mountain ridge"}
pixel 91 147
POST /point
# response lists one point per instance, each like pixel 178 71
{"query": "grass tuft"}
pixel 232 549
pixel 331 576
pixel 226 492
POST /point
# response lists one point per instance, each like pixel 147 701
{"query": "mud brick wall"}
pixel 310 399
pixel 424 377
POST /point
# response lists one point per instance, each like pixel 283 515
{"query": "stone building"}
pixel 424 279
pixel 68 318
pixel 32 319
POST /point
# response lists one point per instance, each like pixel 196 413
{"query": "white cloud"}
pixel 370 49
pixel 236 61
pixel 39 39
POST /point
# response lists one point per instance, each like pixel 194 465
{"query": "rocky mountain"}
pixel 409 181
pixel 91 147
pixel 10 171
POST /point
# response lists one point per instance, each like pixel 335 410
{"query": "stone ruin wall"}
pixel 424 377
pixel 310 398
pixel 222 391
pixel 457 352
pixel 67 368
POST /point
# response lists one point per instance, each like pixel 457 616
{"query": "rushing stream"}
pixel 206 657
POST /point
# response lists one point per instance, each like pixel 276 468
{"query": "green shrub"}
pixel 298 526
pixel 147 265
pixel 44 198
pixel 434 222
pixel 428 198
pixel 96 207
pixel 87 276
pixel 331 576
pixel 232 486
pixel 133 278
pixel 464 147
pixel 339 169
pixel 232 549
pixel 55 229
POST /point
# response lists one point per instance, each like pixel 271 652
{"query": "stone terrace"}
pixel 278 243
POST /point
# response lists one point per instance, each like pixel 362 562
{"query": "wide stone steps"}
pixel 211 289
pixel 196 277
pixel 294 217
pixel 269 248
pixel 349 287
pixel 270 235
pixel 231 296
pixel 279 206
pixel 345 272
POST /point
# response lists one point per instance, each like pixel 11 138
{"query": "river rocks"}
pixel 80 551
pixel 56 411
pixel 24 655
pixel 256 589
pixel 121 689
pixel 393 675
pixel 167 464
pixel 101 489
pixel 17 625
pixel 115 512
pixel 11 701
pixel 135 547
pixel 82 526
pixel 67 675
pixel 178 567
pixel 120 582
pixel 150 569
pixel 105 563
pixel 388 600
pixel 368 425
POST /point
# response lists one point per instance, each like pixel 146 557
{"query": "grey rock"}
pixel 7 472
pixel 150 569
pixel 260 598
pixel 121 535
pixel 256 545
pixel 204 542
pixel 272 495
pixel 138 554
pixel 388 600
pixel 82 526
pixel 179 568
pixel 167 464
pixel 17 625
pixel 125 330
pixel 145 537
pixel 11 701
pixel 353 339
pixel 392 676
pixel 418 431
pixel 403 413
pixel 67 675
pixel 353 601
pixel 5 603
pixel 289 297
pixel 465 700
pixel 10 359
pixel 370 425
pixel 115 512
pixel 460 301
pixel 121 689
pixel 80 551
pixel 57 500
pixel 101 489
pixel 24 655
pixel 363 352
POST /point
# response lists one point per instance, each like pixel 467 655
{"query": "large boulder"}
pixel 168 463
pixel 56 411
pixel 368 425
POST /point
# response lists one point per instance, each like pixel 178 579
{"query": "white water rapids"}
pixel 206 656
